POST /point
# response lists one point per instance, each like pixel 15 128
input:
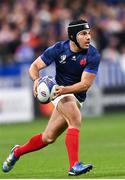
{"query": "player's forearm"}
pixel 34 72
pixel 35 67
pixel 75 88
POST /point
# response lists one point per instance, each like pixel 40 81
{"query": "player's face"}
pixel 83 38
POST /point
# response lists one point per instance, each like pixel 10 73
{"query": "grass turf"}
pixel 102 143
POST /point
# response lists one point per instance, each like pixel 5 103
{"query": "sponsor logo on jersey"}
pixel 73 58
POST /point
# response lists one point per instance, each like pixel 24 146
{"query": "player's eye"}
pixel 89 33
pixel 83 33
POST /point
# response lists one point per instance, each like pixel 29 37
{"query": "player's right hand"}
pixel 36 83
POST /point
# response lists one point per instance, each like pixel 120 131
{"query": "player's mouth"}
pixel 87 43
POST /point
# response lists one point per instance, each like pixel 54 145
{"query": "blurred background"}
pixel 28 27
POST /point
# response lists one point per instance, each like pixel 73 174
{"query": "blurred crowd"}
pixel 28 27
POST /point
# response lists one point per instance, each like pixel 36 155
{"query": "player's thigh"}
pixel 56 125
pixel 70 110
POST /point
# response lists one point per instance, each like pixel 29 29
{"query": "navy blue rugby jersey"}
pixel 70 65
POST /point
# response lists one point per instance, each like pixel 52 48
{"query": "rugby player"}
pixel 76 62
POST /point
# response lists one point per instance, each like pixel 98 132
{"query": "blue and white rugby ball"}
pixel 45 89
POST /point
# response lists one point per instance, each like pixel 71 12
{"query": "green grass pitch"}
pixel 102 143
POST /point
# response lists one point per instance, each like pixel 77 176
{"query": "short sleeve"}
pixel 50 54
pixel 93 64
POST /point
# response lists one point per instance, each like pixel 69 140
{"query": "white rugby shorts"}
pixel 55 101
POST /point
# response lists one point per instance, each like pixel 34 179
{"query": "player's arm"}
pixel 47 57
pixel 34 69
pixel 86 81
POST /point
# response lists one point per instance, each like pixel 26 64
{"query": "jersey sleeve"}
pixel 93 64
pixel 50 54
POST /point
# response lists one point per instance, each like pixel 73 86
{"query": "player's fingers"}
pixel 35 94
pixel 35 87
pixel 57 92
pixel 54 97
pixel 35 91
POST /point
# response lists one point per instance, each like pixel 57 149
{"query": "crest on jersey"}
pixel 83 62
pixel 62 59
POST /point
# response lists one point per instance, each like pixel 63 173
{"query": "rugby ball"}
pixel 45 89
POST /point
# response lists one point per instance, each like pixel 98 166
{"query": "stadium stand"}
pixel 29 27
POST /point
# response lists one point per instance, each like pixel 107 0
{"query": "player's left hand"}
pixel 58 91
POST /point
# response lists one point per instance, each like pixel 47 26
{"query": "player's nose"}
pixel 88 37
